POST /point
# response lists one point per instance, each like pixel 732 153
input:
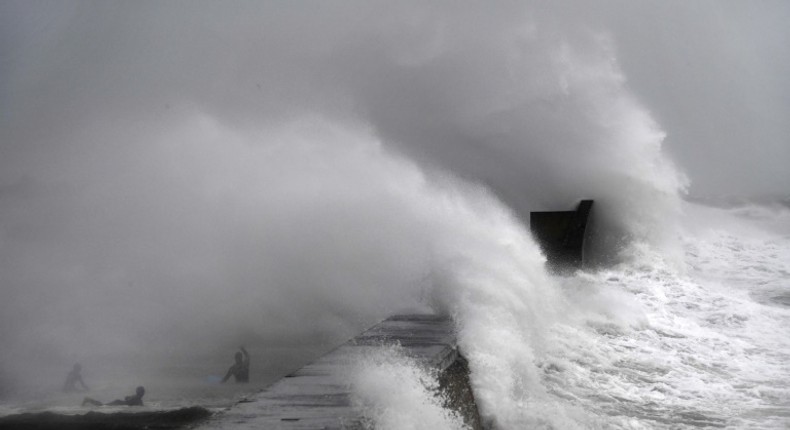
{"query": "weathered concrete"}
pixel 318 396
pixel 561 235
pixel 456 388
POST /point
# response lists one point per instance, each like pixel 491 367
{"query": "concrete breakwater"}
pixel 318 396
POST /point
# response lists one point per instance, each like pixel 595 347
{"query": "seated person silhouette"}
pixel 73 378
pixel 134 400
pixel 241 368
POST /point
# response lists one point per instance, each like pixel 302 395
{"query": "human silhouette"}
pixel 73 378
pixel 241 368
pixel 133 400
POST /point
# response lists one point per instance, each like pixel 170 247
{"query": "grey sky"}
pixel 711 73
pixel 714 74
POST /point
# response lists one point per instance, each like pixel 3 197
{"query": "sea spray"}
pixel 396 393
pixel 495 284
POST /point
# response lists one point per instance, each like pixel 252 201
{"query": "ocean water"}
pixel 705 345
pixel 696 342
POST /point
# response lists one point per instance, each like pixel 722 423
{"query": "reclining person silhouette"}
pixel 133 400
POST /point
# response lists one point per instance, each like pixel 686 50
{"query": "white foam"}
pixel 693 347
pixel 396 393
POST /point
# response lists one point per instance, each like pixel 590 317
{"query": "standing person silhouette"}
pixel 241 368
pixel 73 378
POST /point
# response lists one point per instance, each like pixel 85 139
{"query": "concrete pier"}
pixel 562 235
pixel 318 396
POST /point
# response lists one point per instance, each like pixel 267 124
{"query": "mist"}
pixel 190 176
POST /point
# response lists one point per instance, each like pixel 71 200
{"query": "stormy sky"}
pixel 712 74
pixel 188 169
